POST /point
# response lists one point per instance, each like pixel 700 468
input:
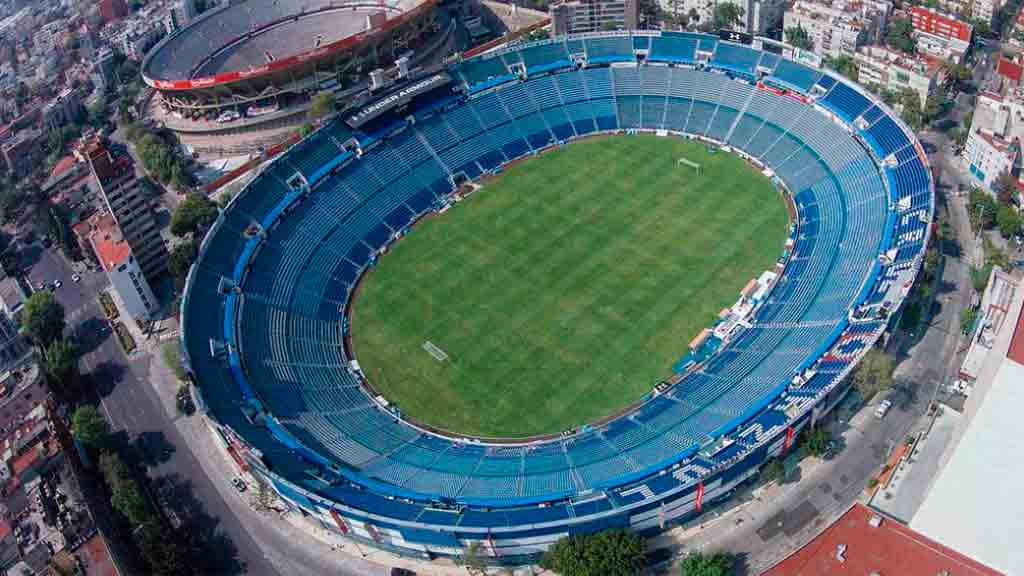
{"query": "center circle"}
pixel 563 290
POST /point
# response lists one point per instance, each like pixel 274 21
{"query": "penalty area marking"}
pixel 434 351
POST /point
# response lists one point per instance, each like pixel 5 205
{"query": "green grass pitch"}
pixel 567 287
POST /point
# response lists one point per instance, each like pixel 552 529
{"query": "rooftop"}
pixel 863 542
pixel 108 242
pixel 974 504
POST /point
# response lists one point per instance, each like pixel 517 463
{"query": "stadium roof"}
pixel 975 505
pixel 863 542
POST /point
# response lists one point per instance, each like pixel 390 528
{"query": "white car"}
pixel 75 278
pixel 883 408
pixel 57 284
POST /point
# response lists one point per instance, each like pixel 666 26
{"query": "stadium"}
pixel 280 300
pixel 248 63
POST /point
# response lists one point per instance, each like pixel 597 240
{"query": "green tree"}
pixel 323 104
pixel 608 553
pixel 125 496
pixel 726 15
pixel 193 215
pixel 472 561
pixel 912 113
pixel 180 259
pixel 61 370
pixel 874 373
pixel 89 426
pixel 982 208
pixel 773 470
pixel 43 319
pixel 1008 221
pixel 815 441
pixel 1006 188
pixel 164 552
pixel 967 318
pixel 700 564
pixel 798 37
pixel 845 65
pixel 901 36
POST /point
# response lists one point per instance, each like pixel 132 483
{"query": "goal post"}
pixel 689 163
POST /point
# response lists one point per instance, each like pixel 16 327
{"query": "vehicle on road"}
pixel 396 571
pixel 883 408
pixel 75 278
pixel 57 284
pixel 238 484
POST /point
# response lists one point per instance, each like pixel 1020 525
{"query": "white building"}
pixel 115 256
pixel 759 16
pixel 896 71
pixel 838 28
pixel 576 16
pixel 49 37
pixel 993 145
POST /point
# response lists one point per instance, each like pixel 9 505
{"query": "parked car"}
pixel 396 571
pixel 883 408
pixel 238 484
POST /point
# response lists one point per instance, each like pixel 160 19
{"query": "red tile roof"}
pixel 108 242
pixel 1009 69
pixel 888 549
pixel 1016 351
pixel 63 166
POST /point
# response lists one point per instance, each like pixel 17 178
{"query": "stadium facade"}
pixel 261 59
pixel 264 316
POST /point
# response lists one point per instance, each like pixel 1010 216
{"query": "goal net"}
pixel 689 164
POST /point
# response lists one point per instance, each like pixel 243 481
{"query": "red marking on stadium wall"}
pixel 373 532
pixel 342 525
pixel 700 495
pixel 790 432
pixel 238 459
pixel 343 44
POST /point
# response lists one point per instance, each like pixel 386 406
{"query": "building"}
pixel 115 256
pixel 138 38
pixel 864 542
pixel 185 11
pixel 759 16
pixel 571 17
pixel 838 28
pixel 940 34
pixel 972 504
pixel 65 108
pixel 897 71
pixel 21 150
pixel 993 145
pixel 125 198
pixel 49 37
pixel 17 26
pixel 102 71
pixel 12 297
pixel 112 10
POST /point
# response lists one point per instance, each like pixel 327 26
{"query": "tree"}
pixel 125 496
pixel 699 564
pixel 43 318
pixel 958 76
pixel 726 15
pixel 874 373
pixel 608 553
pixel 912 113
pixel 180 260
pixel 982 28
pixel 773 470
pixel 1006 188
pixel 967 318
pixel 89 426
pixel 193 215
pixel 61 369
pixel 164 552
pixel 798 37
pixel 323 104
pixel 901 35
pixel 1008 221
pixel 982 208
pixel 816 441
pixel 845 65
pixel 306 129
pixel 471 560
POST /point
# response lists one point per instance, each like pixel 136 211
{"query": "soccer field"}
pixel 566 287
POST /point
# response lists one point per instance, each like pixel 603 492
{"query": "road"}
pixel 131 404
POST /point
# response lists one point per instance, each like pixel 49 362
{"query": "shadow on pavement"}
pixel 213 551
